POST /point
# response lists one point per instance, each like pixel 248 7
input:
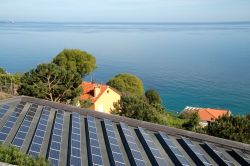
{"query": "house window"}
pixel 107 91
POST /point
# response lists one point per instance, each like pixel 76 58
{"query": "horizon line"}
pixel 130 22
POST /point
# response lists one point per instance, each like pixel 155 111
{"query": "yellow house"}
pixel 101 96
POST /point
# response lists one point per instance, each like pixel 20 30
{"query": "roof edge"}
pixel 147 125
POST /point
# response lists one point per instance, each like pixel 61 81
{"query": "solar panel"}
pixel 38 137
pixel 152 151
pixel 115 154
pixel 3 110
pixel 132 149
pixel 56 138
pixel 75 140
pixel 194 152
pixel 176 156
pixel 10 122
pixel 18 141
pixel 217 155
pixel 94 151
pixel 240 157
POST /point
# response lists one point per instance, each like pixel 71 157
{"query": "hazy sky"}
pixel 125 10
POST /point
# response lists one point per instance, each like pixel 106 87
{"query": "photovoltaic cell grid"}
pixel 219 154
pixel 113 144
pixel 132 146
pixel 37 140
pixel 75 145
pixel 24 128
pixel 95 151
pixel 172 147
pixel 56 138
pixel 196 151
pixel 11 121
pixel 3 110
pixel 244 160
pixel 153 151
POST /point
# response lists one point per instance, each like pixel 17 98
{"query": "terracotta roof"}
pixel 88 91
pixel 209 114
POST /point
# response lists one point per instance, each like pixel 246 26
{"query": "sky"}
pixel 125 10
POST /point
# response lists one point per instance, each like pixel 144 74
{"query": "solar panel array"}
pixel 197 155
pixel 10 122
pixel 240 157
pixel 38 137
pixel 75 141
pixel 170 147
pixel 219 156
pixel 3 110
pixel 56 138
pixel 132 148
pixel 95 156
pixel 45 137
pixel 152 150
pixel 116 155
pixel 24 128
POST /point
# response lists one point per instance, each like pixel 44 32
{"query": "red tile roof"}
pixel 209 114
pixel 88 91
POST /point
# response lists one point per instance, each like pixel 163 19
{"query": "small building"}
pixel 207 114
pixel 101 96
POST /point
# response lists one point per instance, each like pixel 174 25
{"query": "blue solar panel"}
pixel 56 137
pixel 113 146
pixel 177 157
pixel 75 144
pixel 194 152
pixel 18 142
pixel 10 122
pixel 3 110
pixel 240 157
pixel 217 155
pixel 132 149
pixel 95 157
pixel 151 149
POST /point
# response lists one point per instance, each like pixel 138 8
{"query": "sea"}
pixel 189 64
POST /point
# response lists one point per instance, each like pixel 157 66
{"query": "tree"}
pixel 51 82
pixel 2 71
pixel 153 96
pixel 136 107
pixel 236 128
pixel 193 122
pixel 127 83
pixel 76 60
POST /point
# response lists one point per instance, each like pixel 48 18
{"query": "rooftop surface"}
pixel 88 91
pixel 68 135
pixel 207 114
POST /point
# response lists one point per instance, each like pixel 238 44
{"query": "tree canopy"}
pixel 127 83
pixel 236 128
pixel 153 96
pixel 76 60
pixel 2 71
pixel 51 82
pixel 136 107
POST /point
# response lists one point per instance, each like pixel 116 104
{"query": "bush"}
pixel 12 155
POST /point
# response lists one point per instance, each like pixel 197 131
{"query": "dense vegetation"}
pixel 135 104
pixel 76 60
pixel 60 80
pixel 235 128
pixel 12 155
pixel 127 83
pixel 51 82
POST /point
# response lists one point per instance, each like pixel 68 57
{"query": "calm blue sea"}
pixel 194 64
